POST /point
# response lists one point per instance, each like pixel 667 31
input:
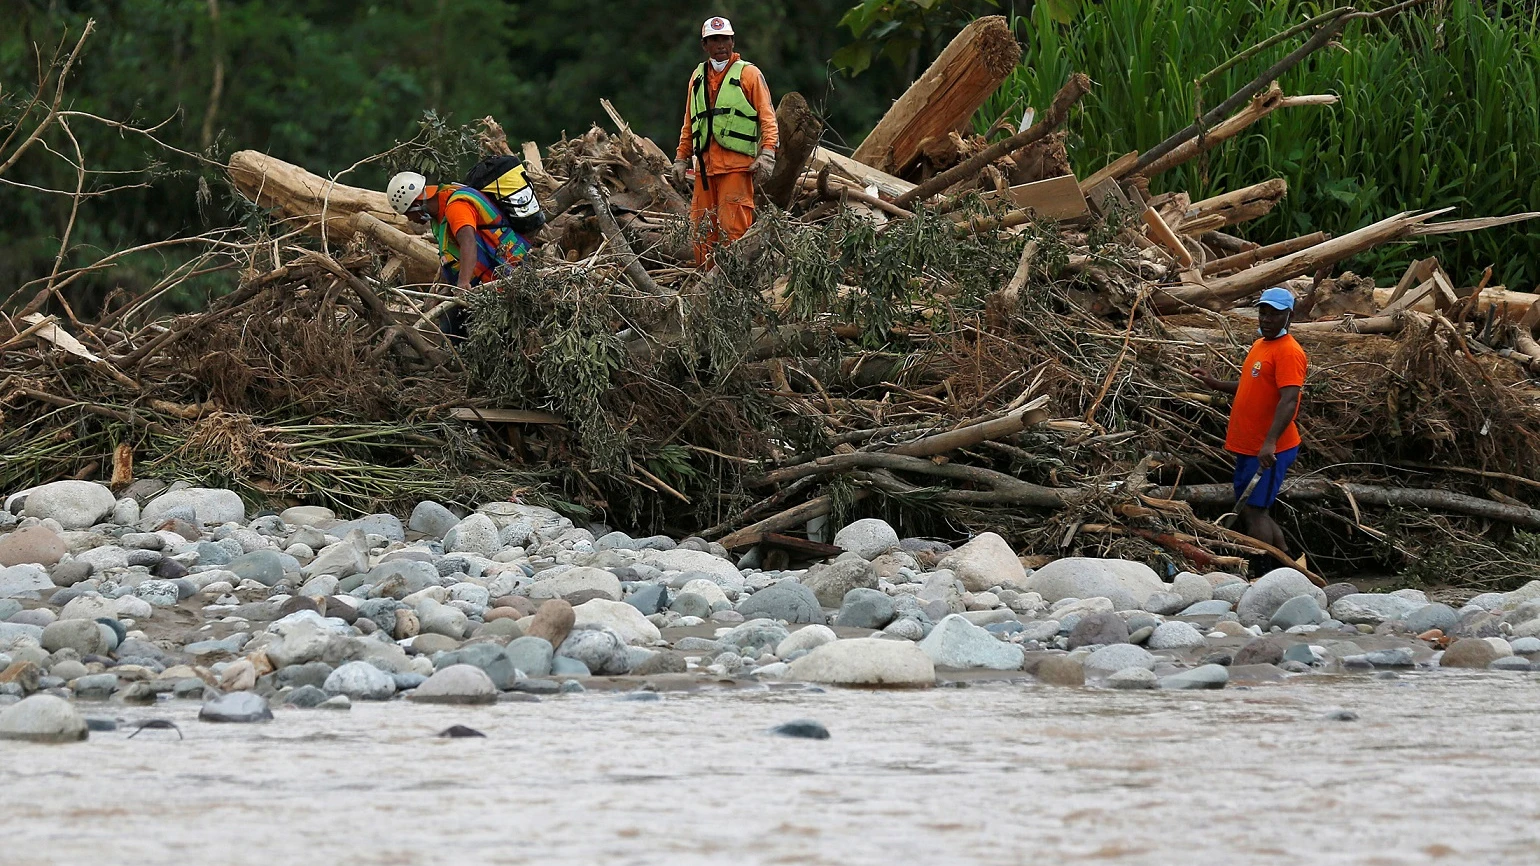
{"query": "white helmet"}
pixel 404 189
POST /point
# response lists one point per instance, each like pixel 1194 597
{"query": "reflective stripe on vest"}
pixel 732 122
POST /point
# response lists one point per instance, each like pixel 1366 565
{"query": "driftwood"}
pixel 1237 206
pixel 1077 86
pixel 303 197
pixel 1306 489
pixel 1243 260
pixel 422 260
pixel 800 131
pixel 1260 106
pixel 944 98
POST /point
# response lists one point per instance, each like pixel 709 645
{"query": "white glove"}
pixel 677 170
pixel 764 166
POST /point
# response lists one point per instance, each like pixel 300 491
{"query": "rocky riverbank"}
pixel 180 594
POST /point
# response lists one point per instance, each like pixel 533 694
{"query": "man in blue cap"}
pixel 1261 433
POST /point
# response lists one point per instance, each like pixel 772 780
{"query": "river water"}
pixel 1438 768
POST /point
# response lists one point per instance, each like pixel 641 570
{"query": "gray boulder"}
pixel 84 636
pixel 42 719
pixel 957 643
pixel 1205 677
pixel 1372 608
pixel 1116 657
pixel 238 707
pixel 487 657
pixel 581 581
pixel 431 519
pixel 75 504
pixel 456 684
pixel 1271 591
pixel 530 655
pixel 1299 610
pixel 209 505
pixel 984 562
pixel 360 681
pixel 865 608
pixel 1176 635
pixel 1131 679
pixel 24 581
pixel 601 650
pixel 1431 616
pixel 867 538
pixel 1101 627
pixel 263 566
pixel 787 600
pixel 830 582
pixel 475 534
pixel 1127 584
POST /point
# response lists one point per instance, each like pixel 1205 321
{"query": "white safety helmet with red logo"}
pixel 716 26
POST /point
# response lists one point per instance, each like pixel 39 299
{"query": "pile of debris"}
pixel 950 329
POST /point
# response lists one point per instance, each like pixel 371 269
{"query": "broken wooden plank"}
pixel 1111 171
pixel 1472 225
pixel 859 172
pixel 1408 298
pixel 945 97
pixel 1163 235
pixel 1416 273
pixel 505 416
pixel 1057 198
pixel 1108 198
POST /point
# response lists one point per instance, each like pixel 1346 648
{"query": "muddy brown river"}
pixel 1437 768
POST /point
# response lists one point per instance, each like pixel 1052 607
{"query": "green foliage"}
pixel 898 30
pixel 1437 108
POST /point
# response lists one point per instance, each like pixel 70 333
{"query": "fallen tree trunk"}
pixel 1237 206
pixel 1247 258
pixel 1408 497
pixel 800 131
pixel 1077 86
pixel 1306 261
pixel 422 257
pixel 1514 304
pixel 945 97
pixel 304 197
pixel 1260 106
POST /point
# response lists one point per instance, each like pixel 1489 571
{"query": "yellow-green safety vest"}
pixel 732 122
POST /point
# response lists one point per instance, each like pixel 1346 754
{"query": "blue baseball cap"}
pixel 1278 299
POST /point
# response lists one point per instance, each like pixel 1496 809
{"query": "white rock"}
pixel 866 662
pixel 456 684
pixel 360 681
pixel 345 558
pixel 75 504
pixel 957 643
pixel 24 581
pixel 1116 657
pixel 985 562
pixel 300 637
pixel 867 538
pixel 42 719
pixel 720 570
pixel 578 579
pixel 90 607
pixel 475 534
pixel 1193 588
pixel 211 505
pixel 1372 608
pixel 1127 584
pixel 1176 635
pixel 805 638
pixel 1263 598
pixel 307 515
pixel 622 618
pixel 706 589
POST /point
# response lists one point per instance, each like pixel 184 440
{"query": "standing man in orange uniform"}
pixel 1261 434
pixel 730 133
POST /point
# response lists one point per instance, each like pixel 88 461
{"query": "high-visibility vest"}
pixel 732 122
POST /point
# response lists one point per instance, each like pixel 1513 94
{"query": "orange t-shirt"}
pixel 720 160
pixel 1270 365
pixel 457 214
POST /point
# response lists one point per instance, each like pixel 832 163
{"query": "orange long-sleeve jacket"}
pixel 720 160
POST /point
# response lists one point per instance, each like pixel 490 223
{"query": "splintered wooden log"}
pixel 1077 86
pixel 800 131
pixel 1513 305
pixel 861 173
pixel 1237 206
pixel 1306 261
pixel 1243 260
pixel 945 97
pixel 421 257
pixel 1260 106
pixel 304 198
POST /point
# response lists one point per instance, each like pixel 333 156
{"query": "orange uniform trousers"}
pixel 722 213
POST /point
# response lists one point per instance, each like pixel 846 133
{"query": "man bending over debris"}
pixel 474 238
pixel 730 131
pixel 1261 433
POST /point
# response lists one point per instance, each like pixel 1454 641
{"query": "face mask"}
pixel 719 65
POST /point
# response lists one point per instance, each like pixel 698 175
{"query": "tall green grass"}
pixel 1437 108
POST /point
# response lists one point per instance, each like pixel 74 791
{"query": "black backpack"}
pixel 502 179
